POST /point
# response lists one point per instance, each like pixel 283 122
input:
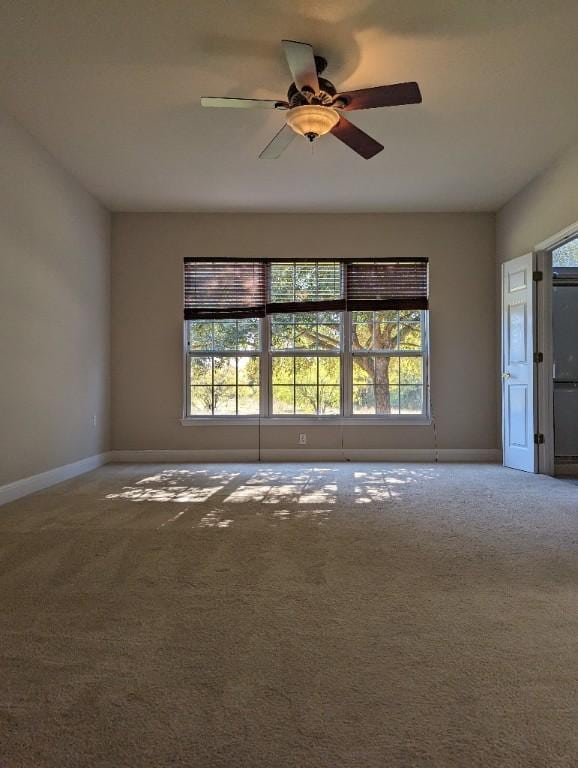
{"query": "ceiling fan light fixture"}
pixel 312 120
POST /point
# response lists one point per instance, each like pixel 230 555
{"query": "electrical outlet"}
pixel 302 438
pixel 94 420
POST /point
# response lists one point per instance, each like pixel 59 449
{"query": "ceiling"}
pixel 112 89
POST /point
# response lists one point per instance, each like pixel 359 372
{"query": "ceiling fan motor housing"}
pixel 325 96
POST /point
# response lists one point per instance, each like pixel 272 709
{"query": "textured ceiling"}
pixel 112 89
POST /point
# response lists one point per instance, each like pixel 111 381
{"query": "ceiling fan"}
pixel 314 106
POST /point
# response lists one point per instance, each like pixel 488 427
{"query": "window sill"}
pixel 302 421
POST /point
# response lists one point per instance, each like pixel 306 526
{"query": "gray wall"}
pixel 148 250
pixel 54 312
pixel 543 208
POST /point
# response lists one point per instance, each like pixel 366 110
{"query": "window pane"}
pixel 387 330
pixel 224 370
pixel 386 399
pixel 566 255
pixel 333 318
pixel 283 335
pixel 329 401
pixel 411 399
pixel 201 370
pixel 363 370
pixel 281 286
pixel 317 330
pixel 283 371
pixel 248 334
pixel 305 281
pixel 248 399
pixel 413 315
pixel 248 370
pixel 329 370
pixel 363 400
pixel 386 370
pixel 224 401
pixel 225 333
pixel 305 399
pixel 329 336
pixel 410 336
pixel 305 335
pixel 283 400
pixel 306 370
pixel 410 370
pixel 200 335
pixel 362 334
pixel 201 401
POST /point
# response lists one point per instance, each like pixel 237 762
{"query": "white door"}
pixel 518 364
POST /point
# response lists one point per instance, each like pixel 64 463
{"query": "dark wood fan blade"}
pixel 356 139
pixel 380 96
pixel 224 101
pixel 278 144
pixel 301 62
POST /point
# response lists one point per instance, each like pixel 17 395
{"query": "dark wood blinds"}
pixel 224 289
pixel 387 284
pixel 220 289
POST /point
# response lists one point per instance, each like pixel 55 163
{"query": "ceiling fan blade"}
pixel 301 62
pixel 356 139
pixel 278 144
pixel 380 96
pixel 225 101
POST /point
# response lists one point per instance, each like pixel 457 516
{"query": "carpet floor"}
pixel 291 616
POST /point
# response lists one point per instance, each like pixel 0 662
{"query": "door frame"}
pixel 545 344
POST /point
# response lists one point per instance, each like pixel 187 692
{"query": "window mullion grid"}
pixel 188 371
pixel 265 366
pixel 346 364
pixel 294 384
pixel 317 389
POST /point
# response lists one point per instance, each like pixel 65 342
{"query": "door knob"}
pixel 506 375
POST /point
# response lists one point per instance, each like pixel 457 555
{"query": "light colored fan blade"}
pixel 224 101
pixel 278 144
pixel 301 62
pixel 356 139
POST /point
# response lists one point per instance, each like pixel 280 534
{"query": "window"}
pixel 566 255
pixel 306 364
pixel 223 367
pixel 317 352
pixel 388 362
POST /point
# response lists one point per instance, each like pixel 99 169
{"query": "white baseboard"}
pixel 27 485
pixel 489 455
pixel 382 454
pixel 185 456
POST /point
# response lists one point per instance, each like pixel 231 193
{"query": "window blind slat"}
pixel 387 285
pixel 223 290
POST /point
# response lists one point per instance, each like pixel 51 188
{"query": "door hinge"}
pixel 537 275
pixel 538 438
pixel 538 357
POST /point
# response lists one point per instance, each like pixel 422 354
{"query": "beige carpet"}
pixel 303 616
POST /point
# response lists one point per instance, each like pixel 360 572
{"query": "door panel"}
pixel 517 364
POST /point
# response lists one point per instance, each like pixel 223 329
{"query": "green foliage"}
pixel 229 383
pixel 224 384
pixel 306 385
